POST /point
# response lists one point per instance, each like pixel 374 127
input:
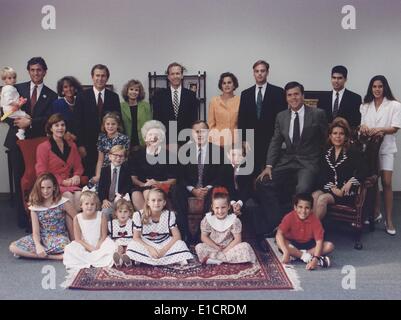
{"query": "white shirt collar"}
pixel 301 111
pixel 178 89
pixel 38 90
pixel 220 225
pixel 113 167
pixel 97 92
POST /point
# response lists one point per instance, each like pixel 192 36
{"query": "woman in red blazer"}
pixel 61 158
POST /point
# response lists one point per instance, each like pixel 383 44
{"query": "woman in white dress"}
pixel 157 240
pixel 381 115
pixel 92 247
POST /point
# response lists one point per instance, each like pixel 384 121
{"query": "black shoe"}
pixel 262 244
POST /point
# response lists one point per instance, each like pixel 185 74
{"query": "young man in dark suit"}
pixel 341 102
pixel 39 105
pixel 258 108
pixel 303 130
pixel 92 105
pixel 199 173
pixel 175 103
pixel 115 178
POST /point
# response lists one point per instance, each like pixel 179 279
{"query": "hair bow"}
pixel 119 196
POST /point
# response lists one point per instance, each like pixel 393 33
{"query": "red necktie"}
pixel 34 98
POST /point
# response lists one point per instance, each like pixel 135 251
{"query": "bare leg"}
pixel 69 196
pixel 137 200
pixel 19 252
pixel 320 206
pixel 284 245
pixel 377 203
pixel 77 196
pixel 388 197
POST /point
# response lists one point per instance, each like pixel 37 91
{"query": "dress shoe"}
pixel 377 219
pixel 262 244
pixel 391 232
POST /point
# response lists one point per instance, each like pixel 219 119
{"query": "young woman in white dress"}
pixel 381 115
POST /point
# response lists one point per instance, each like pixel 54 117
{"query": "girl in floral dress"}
pixel 221 235
pixel 110 136
pixel 48 214
pixel 157 240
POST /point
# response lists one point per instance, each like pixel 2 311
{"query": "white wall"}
pixel 301 39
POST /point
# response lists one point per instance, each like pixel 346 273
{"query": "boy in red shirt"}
pixel 300 235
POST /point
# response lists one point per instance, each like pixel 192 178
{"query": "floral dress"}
pixel 222 231
pixel 53 231
pixel 104 144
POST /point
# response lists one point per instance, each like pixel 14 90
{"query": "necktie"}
pixel 100 105
pixel 297 132
pixel 236 178
pixel 34 98
pixel 259 101
pixel 200 169
pixel 112 190
pixel 175 103
pixel 335 107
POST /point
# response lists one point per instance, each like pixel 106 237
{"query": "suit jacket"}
pixel 164 112
pixel 124 181
pixel 47 160
pixel 273 103
pixel 86 116
pixel 244 182
pixel 348 108
pixel 188 174
pixel 310 147
pixel 144 114
pixel 41 112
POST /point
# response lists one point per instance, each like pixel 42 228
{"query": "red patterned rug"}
pixel 266 274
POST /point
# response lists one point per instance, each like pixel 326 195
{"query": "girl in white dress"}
pixel 221 235
pixel 157 240
pixel 121 231
pixel 381 116
pixel 91 247
pixel 11 102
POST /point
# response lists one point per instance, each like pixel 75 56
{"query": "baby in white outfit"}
pixel 11 102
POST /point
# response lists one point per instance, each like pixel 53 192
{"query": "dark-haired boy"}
pixel 300 235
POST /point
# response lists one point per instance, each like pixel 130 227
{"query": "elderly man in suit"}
pixel 175 103
pixel 259 106
pixel 92 105
pixel 303 131
pixel 39 105
pixel 200 170
pixel 340 102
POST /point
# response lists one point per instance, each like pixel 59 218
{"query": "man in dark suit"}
pixel 303 130
pixel 341 102
pixel 258 108
pixel 175 103
pixel 39 104
pixel 199 172
pixel 92 105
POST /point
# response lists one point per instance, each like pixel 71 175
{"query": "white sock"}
pixel 213 261
pixel 306 256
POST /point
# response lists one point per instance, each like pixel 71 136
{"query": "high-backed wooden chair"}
pixel 363 206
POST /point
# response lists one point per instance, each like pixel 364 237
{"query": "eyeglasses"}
pixel 117 155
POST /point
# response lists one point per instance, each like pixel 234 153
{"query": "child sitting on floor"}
pixel 221 235
pixel 91 247
pixel 121 231
pixel 157 240
pixel 300 235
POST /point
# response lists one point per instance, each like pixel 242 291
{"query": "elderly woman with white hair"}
pixel 150 166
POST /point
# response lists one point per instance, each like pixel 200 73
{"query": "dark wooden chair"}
pixel 363 206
